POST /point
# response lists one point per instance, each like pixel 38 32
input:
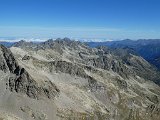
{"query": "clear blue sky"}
pixel 112 19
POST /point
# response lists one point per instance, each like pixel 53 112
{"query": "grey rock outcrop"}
pixel 26 57
pixel 20 81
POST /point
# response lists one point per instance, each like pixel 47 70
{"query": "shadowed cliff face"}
pixel 94 83
pixel 7 63
pixel 20 81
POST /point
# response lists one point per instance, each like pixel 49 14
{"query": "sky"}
pixel 85 19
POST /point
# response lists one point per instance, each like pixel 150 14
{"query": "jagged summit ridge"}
pixel 123 61
pixel 48 44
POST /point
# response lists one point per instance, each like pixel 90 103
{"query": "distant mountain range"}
pixel 149 49
pixel 7 44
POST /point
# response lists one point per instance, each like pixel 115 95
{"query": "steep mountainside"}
pixel 18 91
pixel 93 83
pixel 148 49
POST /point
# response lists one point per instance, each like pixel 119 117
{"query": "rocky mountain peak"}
pixel 23 44
pixel 68 42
